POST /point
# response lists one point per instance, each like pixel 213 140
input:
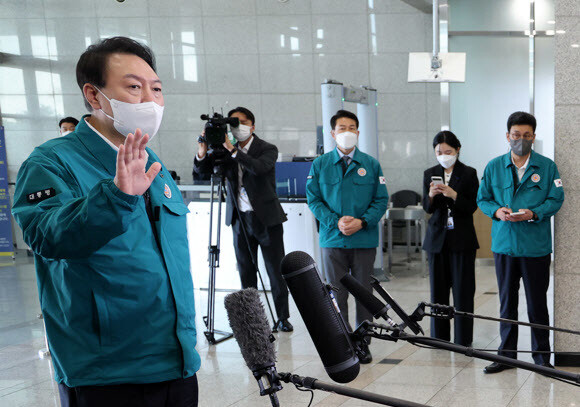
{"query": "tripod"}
pixel 213 256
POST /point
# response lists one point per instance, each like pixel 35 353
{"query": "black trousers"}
pixel 271 241
pixel 453 271
pixel 535 273
pixel 359 263
pixel 174 393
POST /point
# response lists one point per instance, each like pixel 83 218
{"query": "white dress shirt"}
pixel 522 169
pixel 243 199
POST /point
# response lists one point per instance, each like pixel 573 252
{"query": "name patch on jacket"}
pixel 41 195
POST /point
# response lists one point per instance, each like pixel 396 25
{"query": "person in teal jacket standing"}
pixel 520 191
pixel 347 194
pixel 107 226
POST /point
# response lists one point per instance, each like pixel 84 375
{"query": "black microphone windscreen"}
pixel 362 294
pixel 296 261
pixel 321 317
pixel 250 327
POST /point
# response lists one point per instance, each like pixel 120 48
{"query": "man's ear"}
pixel 90 93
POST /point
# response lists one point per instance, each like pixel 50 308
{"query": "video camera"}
pixel 216 129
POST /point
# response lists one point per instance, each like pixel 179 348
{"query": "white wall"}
pixel 263 54
pixel 497 76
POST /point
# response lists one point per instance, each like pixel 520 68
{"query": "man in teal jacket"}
pixel 107 226
pixel 521 191
pixel 347 193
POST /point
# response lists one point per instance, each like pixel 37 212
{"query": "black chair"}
pixel 405 197
pixel 402 199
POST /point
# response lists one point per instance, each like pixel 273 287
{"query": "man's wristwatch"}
pixel 534 217
pixel 234 150
pixel 363 223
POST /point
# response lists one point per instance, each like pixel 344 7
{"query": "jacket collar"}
pixel 336 157
pixel 102 151
pixel 507 160
pixel 456 174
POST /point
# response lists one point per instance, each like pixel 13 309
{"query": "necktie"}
pixel 345 162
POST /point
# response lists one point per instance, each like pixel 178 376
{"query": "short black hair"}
pixel 446 137
pixel 68 120
pixel 340 114
pixel 521 118
pixel 93 62
pixel 244 111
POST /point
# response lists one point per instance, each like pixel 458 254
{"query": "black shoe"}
pixel 364 355
pixel 496 368
pixel 285 326
pixel 548 364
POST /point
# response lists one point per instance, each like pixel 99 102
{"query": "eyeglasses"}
pixel 518 136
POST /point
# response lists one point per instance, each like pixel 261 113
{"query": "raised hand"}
pixel 131 177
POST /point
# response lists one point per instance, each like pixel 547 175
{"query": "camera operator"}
pixel 250 167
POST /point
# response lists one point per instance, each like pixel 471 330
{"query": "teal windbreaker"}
pixel 118 306
pixel 361 193
pixel 540 191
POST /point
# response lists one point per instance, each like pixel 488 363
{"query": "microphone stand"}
pixel 315 384
pixel 388 333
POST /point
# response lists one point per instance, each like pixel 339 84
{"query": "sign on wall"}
pixel 6 245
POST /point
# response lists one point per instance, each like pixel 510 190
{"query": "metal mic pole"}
pixel 315 384
pixel 254 260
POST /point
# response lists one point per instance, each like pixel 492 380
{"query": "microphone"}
pixel 252 332
pixel 321 316
pixel 367 299
pixel 394 305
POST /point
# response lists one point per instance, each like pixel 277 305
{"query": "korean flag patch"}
pixel 558 183
pixel 382 180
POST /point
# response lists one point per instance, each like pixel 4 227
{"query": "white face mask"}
pixel 127 117
pixel 64 133
pixel 242 132
pixel 447 161
pixel 346 139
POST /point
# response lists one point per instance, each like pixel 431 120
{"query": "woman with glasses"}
pixel 449 193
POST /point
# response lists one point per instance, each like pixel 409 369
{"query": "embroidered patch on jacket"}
pixel 558 183
pixel 41 195
pixel 362 172
pixel 536 177
pixel 382 180
pixel 167 191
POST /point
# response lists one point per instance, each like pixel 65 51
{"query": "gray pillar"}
pixel 567 153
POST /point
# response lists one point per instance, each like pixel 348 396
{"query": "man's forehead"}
pixel 522 128
pixel 345 121
pixel 130 66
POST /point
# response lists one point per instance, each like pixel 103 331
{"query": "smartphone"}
pixel 437 180
pixel 517 213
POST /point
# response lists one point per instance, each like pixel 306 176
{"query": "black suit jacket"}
pixel 259 179
pixel 462 237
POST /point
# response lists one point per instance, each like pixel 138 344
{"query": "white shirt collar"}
pixel 109 142
pixel 523 167
pixel 341 154
pixel 246 148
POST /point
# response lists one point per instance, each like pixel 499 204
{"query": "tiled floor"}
pixel 434 377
